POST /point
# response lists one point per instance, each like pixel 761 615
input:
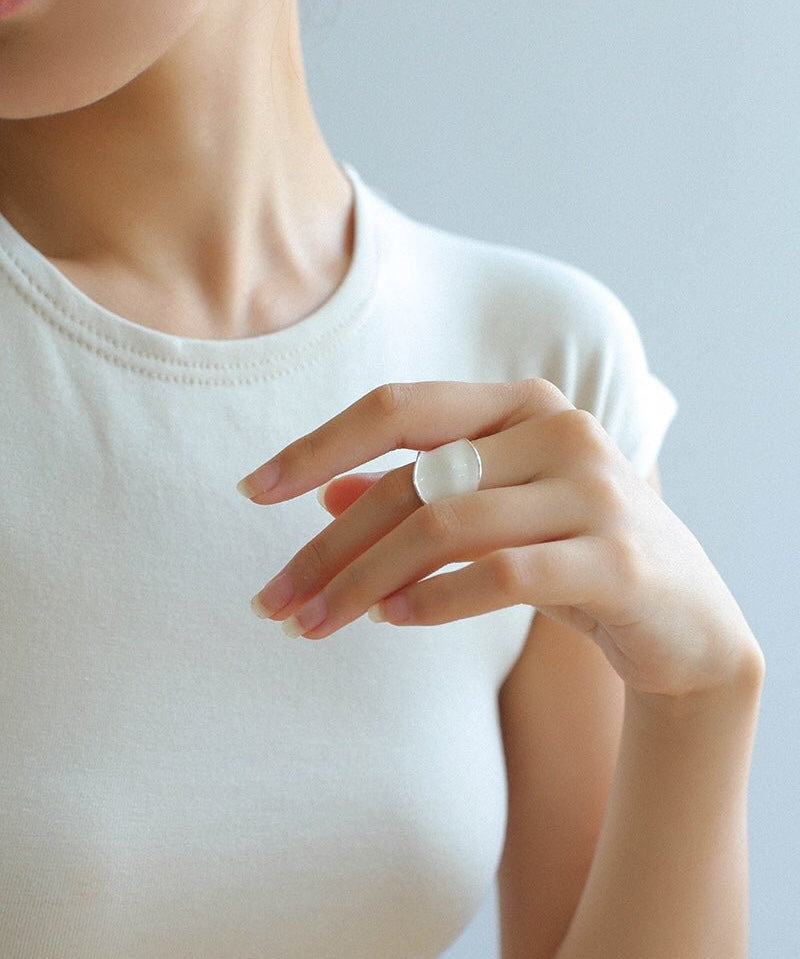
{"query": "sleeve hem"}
pixel 661 407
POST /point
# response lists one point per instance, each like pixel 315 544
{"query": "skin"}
pixel 231 193
pixel 200 108
pixel 561 521
pixel 640 848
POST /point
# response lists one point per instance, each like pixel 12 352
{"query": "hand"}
pixel 561 522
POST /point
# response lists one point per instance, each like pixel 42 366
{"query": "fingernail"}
pixel 260 481
pixel 308 617
pixel 321 494
pixel 291 627
pixel 244 488
pixel 393 609
pixel 257 608
pixel 375 613
pixel 276 594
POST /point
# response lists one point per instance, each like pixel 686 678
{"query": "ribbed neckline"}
pixel 163 356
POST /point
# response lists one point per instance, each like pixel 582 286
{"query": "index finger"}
pixel 418 416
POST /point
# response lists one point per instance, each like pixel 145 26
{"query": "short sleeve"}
pixel 612 379
pixel 656 407
pixel 545 317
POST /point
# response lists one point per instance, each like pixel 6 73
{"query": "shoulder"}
pixel 520 296
pixel 497 312
pixel 454 307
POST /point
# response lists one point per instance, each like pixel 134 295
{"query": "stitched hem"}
pixel 66 309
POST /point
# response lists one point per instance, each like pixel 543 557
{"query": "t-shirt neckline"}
pixel 165 356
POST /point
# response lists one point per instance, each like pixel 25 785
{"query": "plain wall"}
pixel 656 146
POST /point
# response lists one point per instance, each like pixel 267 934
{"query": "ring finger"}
pixel 456 529
pixel 510 458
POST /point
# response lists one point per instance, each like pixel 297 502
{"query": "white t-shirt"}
pixel 179 779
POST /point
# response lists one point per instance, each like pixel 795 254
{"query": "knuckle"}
pixel 508 573
pixel 390 400
pixel 545 566
pixel 625 563
pixel 314 561
pixel 580 435
pixel 395 486
pixel 311 450
pixel 540 393
pixel 350 583
pixel 606 495
pixel 439 520
pixel 587 427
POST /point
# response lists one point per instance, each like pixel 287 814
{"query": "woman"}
pixel 191 283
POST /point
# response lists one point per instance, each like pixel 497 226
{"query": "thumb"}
pixel 336 495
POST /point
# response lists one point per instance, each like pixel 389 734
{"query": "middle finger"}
pixel 364 522
pixel 514 456
pixel 455 529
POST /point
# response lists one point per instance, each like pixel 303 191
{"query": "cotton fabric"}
pixel 178 779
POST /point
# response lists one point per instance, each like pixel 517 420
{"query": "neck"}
pixel 205 179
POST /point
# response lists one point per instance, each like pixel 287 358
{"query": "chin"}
pixel 70 54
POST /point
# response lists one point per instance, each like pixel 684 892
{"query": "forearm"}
pixel 669 879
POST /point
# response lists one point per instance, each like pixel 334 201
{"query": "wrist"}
pixel 739 691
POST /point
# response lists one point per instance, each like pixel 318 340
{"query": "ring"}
pixel 449 470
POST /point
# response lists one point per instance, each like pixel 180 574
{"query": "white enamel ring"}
pixel 449 470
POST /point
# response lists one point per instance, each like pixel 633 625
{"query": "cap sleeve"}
pixel 657 408
pixel 615 383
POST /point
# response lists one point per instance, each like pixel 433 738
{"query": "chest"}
pixel 180 779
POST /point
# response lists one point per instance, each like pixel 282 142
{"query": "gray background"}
pixel 654 145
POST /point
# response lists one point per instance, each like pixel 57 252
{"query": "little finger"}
pixel 369 517
pixel 456 529
pixel 557 573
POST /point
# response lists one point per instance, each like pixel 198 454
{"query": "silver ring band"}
pixel 450 470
